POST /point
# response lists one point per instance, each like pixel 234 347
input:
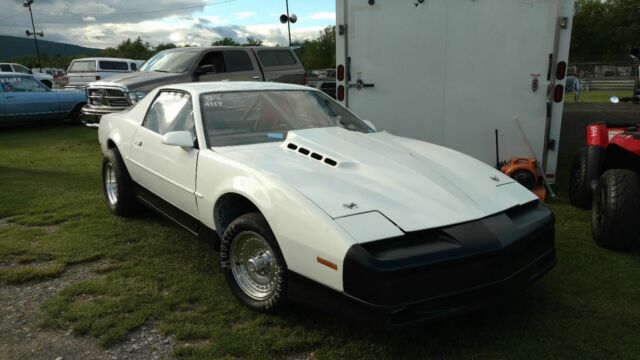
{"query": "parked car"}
pixel 313 205
pixel 23 98
pixel 46 79
pixel 81 72
pixel 184 65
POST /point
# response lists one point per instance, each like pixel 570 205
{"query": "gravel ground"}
pixel 22 338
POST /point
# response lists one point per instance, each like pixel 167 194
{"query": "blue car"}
pixel 23 98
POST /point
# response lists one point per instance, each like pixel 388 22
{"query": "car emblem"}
pixel 350 206
pixel 495 178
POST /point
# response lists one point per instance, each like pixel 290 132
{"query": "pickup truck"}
pixel 191 64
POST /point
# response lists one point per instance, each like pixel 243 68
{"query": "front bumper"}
pixel 91 115
pixel 436 273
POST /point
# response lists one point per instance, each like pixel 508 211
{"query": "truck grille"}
pixel 99 97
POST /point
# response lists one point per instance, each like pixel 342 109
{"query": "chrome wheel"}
pixel 253 265
pixel 111 183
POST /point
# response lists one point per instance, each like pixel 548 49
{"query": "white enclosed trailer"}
pixel 450 72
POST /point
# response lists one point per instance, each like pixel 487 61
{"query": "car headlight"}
pixel 136 96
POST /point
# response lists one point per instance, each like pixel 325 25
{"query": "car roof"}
pixel 14 73
pixel 225 86
pixel 104 58
pixel 228 47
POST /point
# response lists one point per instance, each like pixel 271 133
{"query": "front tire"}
pixel 253 265
pixel 579 188
pixel 616 210
pixel 117 184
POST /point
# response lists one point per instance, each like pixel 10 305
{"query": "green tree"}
pixel 136 49
pixel 321 52
pixel 225 41
pixel 163 46
pixel 251 41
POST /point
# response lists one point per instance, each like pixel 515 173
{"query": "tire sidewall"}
pixel 123 204
pixel 256 223
pixel 579 193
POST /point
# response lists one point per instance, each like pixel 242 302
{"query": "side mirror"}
pixel 370 124
pixel 178 138
pixel 206 69
pixel 614 99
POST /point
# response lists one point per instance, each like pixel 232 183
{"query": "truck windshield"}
pixel 170 62
pixel 250 117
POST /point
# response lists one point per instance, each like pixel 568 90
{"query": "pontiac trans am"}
pixel 310 204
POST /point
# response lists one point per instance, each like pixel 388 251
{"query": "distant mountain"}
pixel 14 47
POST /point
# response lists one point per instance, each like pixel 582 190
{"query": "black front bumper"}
pixel 435 273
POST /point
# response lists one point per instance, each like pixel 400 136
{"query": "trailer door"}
pixel 452 71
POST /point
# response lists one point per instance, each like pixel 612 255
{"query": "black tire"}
pixel 254 223
pixel 616 210
pixel 579 188
pixel 113 167
pixel 74 116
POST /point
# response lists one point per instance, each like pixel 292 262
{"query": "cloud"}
pixel 88 18
pixel 244 14
pixel 322 16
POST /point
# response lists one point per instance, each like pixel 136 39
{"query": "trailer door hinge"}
pixel 342 29
pixel 551 145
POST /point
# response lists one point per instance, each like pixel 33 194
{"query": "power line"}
pixel 166 10
pixel 12 15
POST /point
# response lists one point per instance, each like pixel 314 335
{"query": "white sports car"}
pixel 314 205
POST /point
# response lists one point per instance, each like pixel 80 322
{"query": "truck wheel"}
pixel 616 210
pixel 579 188
pixel 117 184
pixel 253 265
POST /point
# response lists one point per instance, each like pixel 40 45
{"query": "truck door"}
pixel 241 65
pixel 167 171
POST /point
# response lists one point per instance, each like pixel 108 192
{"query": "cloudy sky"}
pixel 196 22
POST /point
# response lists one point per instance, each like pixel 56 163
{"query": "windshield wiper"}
pixel 162 71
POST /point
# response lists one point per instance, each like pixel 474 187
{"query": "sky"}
pixel 106 23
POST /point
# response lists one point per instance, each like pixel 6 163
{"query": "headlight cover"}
pixel 136 96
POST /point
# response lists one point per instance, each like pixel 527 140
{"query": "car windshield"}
pixel 250 117
pixel 170 62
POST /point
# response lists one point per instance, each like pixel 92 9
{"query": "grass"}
pixel 596 96
pixel 52 216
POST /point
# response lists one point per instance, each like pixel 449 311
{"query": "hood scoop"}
pixel 311 154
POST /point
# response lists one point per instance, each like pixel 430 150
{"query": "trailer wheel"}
pixel 616 210
pixel 579 189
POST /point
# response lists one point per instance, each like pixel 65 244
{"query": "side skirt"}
pixel 188 222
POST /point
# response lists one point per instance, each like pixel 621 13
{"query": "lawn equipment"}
pixel 605 175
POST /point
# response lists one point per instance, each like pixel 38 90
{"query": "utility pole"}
pixel 288 22
pixel 27 4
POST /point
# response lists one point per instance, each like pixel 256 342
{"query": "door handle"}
pixel 138 143
pixel 257 77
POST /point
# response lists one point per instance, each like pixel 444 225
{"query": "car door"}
pixel 27 99
pixel 216 59
pixel 167 171
pixel 241 65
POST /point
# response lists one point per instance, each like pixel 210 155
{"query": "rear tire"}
pixel 616 210
pixel 253 265
pixel 579 188
pixel 117 184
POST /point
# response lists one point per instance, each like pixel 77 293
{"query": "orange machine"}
pixel 524 171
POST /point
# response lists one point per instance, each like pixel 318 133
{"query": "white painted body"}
pixel 83 78
pixel 398 184
pixel 450 72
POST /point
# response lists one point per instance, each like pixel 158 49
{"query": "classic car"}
pixel 311 204
pixel 23 98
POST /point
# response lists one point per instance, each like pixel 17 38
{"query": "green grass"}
pixel 150 271
pixel 596 96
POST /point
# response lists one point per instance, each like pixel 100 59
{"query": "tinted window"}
pixel 134 67
pixel 213 58
pixel 237 60
pixel 83 66
pixel 21 84
pixel 276 57
pixel 248 117
pixel 170 61
pixel 6 68
pixel 170 111
pixel 114 65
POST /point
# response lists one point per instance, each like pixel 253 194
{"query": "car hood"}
pixel 416 185
pixel 140 80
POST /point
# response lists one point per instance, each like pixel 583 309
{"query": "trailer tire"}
pixel 616 210
pixel 579 188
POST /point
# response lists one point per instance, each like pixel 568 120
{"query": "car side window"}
pixel 170 111
pixel 19 84
pixel 134 67
pixel 237 60
pixel 276 57
pixel 214 58
pixel 5 68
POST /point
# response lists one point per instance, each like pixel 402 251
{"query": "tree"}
pixel 163 46
pixel 136 49
pixel 321 52
pixel 251 41
pixel 225 41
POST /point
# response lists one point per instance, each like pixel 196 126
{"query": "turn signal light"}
pixel 558 93
pixel 327 263
pixel 561 70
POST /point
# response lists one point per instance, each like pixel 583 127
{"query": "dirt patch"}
pixel 22 338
